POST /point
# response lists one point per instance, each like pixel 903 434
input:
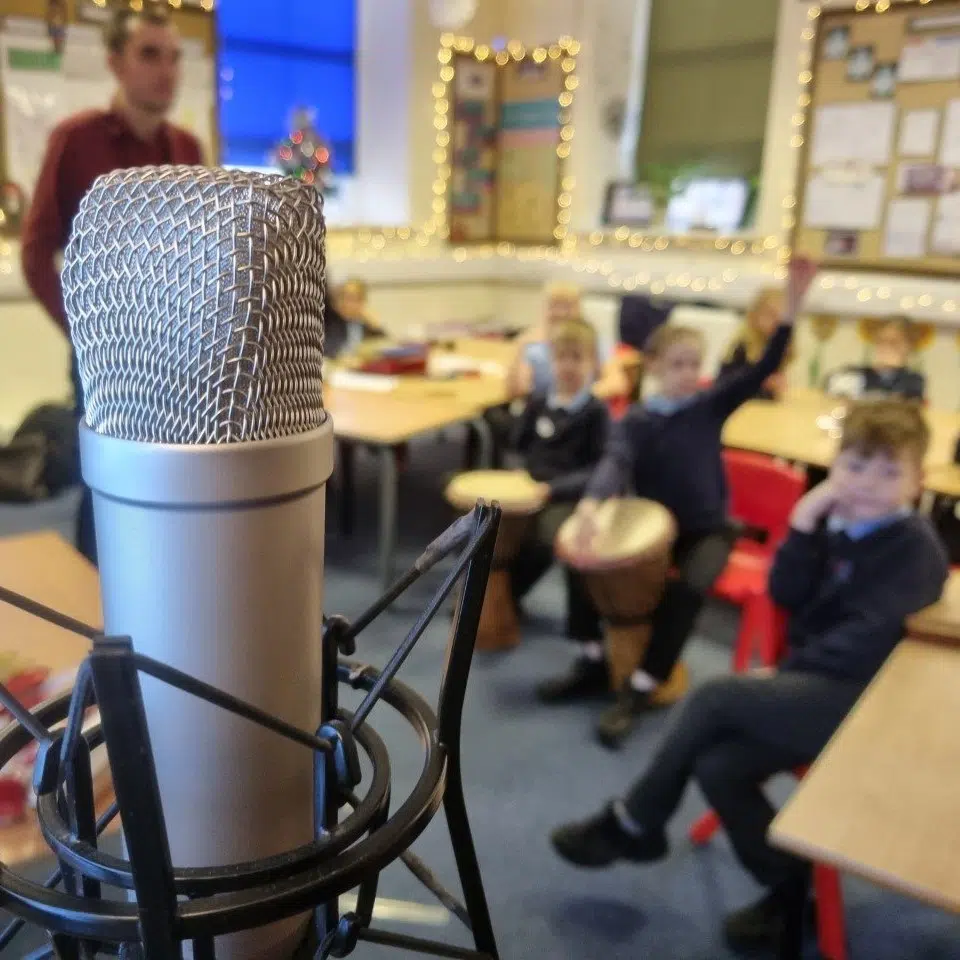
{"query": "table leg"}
pixel 388 514
pixel 485 440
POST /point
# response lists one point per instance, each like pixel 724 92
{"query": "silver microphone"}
pixel 195 300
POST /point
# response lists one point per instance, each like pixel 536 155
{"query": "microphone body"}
pixel 211 559
pixel 195 300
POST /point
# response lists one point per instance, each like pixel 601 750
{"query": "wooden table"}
pixel 45 568
pixel 881 801
pixel 415 406
pixel 798 428
pixel 943 479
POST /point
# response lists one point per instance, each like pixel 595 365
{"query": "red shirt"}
pixel 80 149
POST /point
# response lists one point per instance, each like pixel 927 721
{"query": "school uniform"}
pixel 860 381
pixel 671 451
pixel 848 591
pixel 737 361
pixel 560 443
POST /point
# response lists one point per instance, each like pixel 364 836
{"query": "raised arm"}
pixel 737 388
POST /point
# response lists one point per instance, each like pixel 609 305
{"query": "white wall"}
pixel 397 65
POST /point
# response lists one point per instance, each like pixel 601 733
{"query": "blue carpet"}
pixel 528 768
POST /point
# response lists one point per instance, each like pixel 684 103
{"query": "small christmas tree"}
pixel 305 154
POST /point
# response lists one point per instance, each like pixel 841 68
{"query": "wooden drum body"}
pixel 625 569
pixel 521 500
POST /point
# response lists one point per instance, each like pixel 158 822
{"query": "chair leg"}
pixel 750 627
pixel 831 926
pixel 701 833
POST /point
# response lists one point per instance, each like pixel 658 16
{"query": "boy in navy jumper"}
pixel 856 564
pixel 669 449
pixel 559 438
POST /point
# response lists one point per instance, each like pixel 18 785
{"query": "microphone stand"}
pixel 175 905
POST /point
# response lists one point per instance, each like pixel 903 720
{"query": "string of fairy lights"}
pixel 565 50
pixel 601 253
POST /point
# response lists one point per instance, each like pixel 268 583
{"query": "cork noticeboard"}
pixel 879 174
pixel 529 170
pixel 42 82
pixel 510 123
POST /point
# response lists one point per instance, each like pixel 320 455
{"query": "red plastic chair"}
pixel 632 362
pixel 763 494
pixel 827 891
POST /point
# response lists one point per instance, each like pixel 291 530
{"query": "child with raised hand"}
pixel 857 562
pixel 668 448
pixel 749 342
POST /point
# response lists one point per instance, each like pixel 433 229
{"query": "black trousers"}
pixel 731 735
pixel 86 539
pixel 699 558
pixel 536 557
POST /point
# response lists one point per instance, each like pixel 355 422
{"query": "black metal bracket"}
pixel 349 850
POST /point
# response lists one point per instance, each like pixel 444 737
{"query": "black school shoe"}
pixel 616 722
pixel 585 679
pixel 759 928
pixel 601 841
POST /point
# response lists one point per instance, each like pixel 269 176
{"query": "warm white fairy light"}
pixel 565 48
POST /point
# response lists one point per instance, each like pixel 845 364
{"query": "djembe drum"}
pixel 521 500
pixel 625 569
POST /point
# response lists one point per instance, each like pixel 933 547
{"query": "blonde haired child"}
pixel 750 340
pixel 531 370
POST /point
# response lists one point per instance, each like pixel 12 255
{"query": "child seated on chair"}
pixel 668 449
pixel 857 562
pixel 559 438
pixel 348 321
pixel 888 374
pixel 751 339
pixel 532 368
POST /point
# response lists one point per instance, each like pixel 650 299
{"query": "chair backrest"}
pixel 763 494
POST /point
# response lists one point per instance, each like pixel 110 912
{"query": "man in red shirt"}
pixel 144 57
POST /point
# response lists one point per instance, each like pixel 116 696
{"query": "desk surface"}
pixel 45 568
pixel 792 429
pixel 941 621
pixel 882 799
pixel 418 405
pixel 943 479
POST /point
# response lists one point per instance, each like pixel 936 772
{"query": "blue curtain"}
pixel 276 57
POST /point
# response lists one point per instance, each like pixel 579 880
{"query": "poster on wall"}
pixel 473 151
pixel 39 87
pixel 32 96
pixel 528 170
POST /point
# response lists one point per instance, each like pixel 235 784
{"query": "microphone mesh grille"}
pixel 195 299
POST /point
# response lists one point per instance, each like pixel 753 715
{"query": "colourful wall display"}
pixel 528 165
pixel 472 200
pixel 503 120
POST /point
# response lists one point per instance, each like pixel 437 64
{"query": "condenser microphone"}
pixel 195 300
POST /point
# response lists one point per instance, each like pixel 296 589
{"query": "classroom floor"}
pixel 528 768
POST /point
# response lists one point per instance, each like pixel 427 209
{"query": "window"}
pixel 707 90
pixel 280 56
